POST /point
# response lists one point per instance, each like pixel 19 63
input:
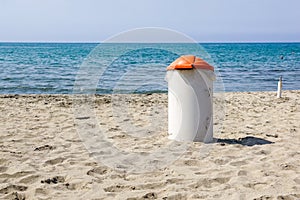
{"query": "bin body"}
pixel 190 104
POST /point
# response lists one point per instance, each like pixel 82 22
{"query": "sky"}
pixel 97 20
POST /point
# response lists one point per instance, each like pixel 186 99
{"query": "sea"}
pixel 105 68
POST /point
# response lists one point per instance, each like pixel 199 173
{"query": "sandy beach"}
pixel 255 155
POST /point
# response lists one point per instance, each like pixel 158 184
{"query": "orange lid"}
pixel 189 62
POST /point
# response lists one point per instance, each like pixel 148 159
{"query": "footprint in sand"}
pixel 151 186
pixel 256 185
pixel 150 195
pixel 176 196
pixel 297 180
pixel 222 161
pixel 286 166
pixel 238 163
pixel 119 188
pixel 75 186
pixel 40 191
pixel 115 188
pixel 242 173
pixel 3 161
pixel 30 179
pixel 55 161
pixel 3 169
pixel 15 196
pixel 16 175
pixel 13 188
pixel 289 196
pixel 98 171
pixel 192 162
pixel 264 197
pixel 174 180
pixel 211 182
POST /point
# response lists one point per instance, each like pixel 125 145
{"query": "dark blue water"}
pixel 47 68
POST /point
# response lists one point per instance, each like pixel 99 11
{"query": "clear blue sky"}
pixel 203 20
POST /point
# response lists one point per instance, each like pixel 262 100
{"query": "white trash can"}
pixel 190 99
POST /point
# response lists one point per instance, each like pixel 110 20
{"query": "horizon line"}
pixel 98 42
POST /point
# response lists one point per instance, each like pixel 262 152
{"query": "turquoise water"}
pixel 48 68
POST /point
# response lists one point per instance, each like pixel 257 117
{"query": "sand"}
pixel 255 154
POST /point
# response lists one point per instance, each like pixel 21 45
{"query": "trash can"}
pixel 190 99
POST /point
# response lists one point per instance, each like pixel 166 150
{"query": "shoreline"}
pixel 109 94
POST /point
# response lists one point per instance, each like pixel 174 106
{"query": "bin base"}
pixel 207 139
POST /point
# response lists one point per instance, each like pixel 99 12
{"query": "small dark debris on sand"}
pixel 55 180
pixel 44 147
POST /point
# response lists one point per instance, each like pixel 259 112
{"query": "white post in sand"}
pixel 279 88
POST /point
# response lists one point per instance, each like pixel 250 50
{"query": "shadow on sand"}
pixel 246 141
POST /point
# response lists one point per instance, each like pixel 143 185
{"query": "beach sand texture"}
pixel 256 155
